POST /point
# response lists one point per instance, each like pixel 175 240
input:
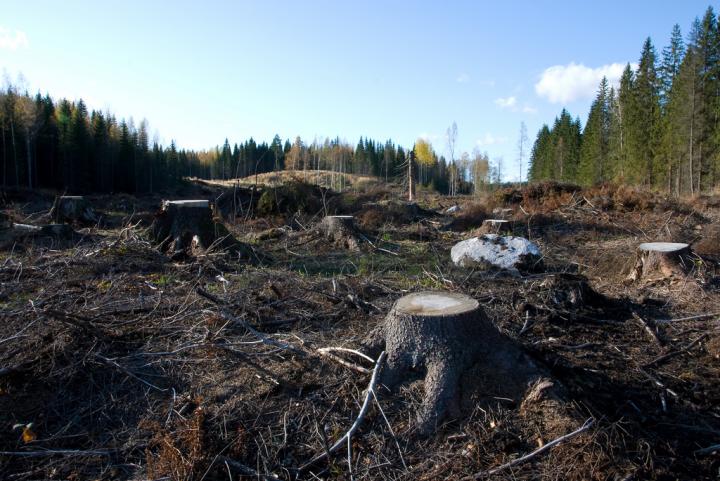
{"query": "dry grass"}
pixel 106 345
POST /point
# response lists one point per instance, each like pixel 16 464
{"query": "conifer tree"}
pixel 593 166
pixel 644 119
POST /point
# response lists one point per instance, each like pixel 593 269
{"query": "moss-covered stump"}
pixel 446 335
pixel 187 228
pixel 73 208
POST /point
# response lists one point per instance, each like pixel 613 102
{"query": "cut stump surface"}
pixel 661 260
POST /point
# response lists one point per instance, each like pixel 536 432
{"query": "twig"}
pixel 526 325
pixel 247 470
pixel 128 372
pixel 690 318
pixel 358 420
pixel 648 329
pixel 708 450
pixel 55 452
pixel 327 352
pixel 670 355
pixel 392 433
pixel 537 452
pixel 230 317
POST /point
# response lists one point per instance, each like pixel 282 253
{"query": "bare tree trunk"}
pixel 29 159
pixel 411 182
pixel 17 166
pixel 692 140
pixel 4 178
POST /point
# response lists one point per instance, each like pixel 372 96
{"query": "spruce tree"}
pixel 644 119
pixel 593 165
pixel 672 57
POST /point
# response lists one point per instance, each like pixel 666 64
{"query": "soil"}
pixel 114 367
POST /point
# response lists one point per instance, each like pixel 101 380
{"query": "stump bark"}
pixel 445 335
pixel 340 229
pixel 660 260
pixel 184 228
pixel 73 208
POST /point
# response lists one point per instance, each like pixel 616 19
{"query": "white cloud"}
pixel 429 137
pixel 506 102
pixel 567 83
pixel 12 40
pixel 463 78
pixel 489 139
pixel 528 109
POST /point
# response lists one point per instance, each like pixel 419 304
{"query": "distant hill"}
pixel 325 178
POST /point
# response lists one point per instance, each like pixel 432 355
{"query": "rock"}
pixel 498 252
pixel 453 209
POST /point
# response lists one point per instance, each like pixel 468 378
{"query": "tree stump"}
pixel 73 208
pixel 494 226
pixel 340 229
pixel 445 334
pixel 660 260
pixel 183 228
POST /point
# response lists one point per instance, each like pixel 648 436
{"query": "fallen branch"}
pixel 55 452
pixel 653 334
pixel 127 371
pixel 247 470
pixel 708 450
pixel 533 454
pixel 690 318
pixel 672 354
pixel 230 317
pixel 358 421
pixel 328 352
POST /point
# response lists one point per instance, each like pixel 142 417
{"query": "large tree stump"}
pixel 340 229
pixel 660 260
pixel 73 208
pixel 184 228
pixel 445 334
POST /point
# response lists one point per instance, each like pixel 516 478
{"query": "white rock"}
pixel 453 209
pixel 510 253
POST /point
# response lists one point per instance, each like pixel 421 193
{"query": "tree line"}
pixel 63 145
pixel 659 128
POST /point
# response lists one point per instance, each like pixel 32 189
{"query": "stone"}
pixel 497 252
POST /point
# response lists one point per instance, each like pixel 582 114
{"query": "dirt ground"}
pixel 117 363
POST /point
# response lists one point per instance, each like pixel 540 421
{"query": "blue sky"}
pixel 203 71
